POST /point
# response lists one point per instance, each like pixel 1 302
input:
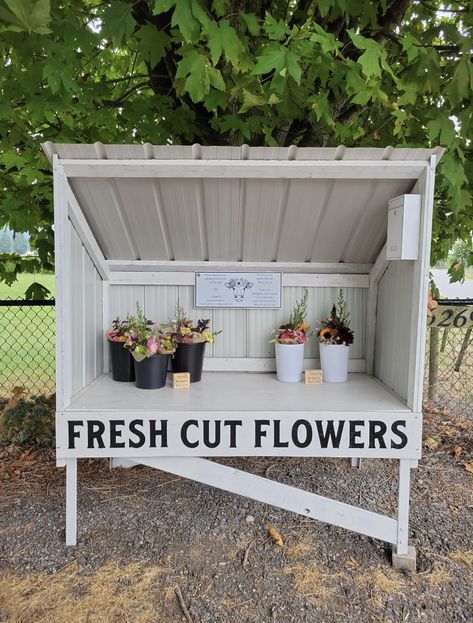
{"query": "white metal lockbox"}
pixel 133 223
pixel 403 228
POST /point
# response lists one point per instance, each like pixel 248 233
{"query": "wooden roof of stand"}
pixel 251 204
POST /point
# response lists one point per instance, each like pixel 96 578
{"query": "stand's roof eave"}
pixel 243 217
pixel 99 151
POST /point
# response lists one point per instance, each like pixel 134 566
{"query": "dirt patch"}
pixel 145 536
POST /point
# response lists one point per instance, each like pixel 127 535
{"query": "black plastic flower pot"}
pixel 123 369
pixel 189 358
pixel 151 372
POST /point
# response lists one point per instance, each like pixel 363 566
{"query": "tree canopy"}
pixel 304 72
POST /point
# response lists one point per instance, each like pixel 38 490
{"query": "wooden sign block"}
pixel 313 377
pixel 181 380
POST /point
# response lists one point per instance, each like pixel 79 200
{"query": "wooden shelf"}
pixel 239 391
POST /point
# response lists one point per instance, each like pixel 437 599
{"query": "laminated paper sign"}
pixel 238 290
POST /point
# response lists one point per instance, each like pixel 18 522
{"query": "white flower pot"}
pixel 334 362
pixel 289 362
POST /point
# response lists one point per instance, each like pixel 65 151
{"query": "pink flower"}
pixel 286 336
pixel 152 346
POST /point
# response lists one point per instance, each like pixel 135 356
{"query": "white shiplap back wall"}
pixel 86 322
pixel 393 326
pixel 245 333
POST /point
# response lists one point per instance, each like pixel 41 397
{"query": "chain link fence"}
pixel 27 350
pixel 27 355
pixel 449 361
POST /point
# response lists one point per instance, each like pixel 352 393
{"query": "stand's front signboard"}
pixel 384 435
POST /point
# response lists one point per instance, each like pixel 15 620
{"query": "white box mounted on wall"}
pixel 403 228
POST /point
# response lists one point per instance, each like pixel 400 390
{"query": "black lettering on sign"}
pixel 116 434
pixel 72 433
pixel 184 429
pixel 377 432
pixel 155 432
pixel 329 435
pixel 295 434
pixel 134 430
pixel 95 431
pixel 402 436
pixel 277 436
pixel 216 440
pixel 259 432
pixel 355 433
pixel 232 424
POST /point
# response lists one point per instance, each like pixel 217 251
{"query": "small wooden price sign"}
pixel 313 377
pixel 181 380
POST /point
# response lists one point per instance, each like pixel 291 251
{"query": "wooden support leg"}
pixel 404 557
pixel 71 501
pixel 356 463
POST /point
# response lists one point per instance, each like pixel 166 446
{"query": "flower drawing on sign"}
pixel 239 287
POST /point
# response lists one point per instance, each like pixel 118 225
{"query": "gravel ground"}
pixel 157 548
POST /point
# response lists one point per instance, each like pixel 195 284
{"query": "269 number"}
pixel 451 317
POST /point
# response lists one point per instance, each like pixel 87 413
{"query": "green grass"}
pixel 27 356
pixel 18 288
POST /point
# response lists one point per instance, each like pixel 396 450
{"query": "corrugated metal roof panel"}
pixel 292 220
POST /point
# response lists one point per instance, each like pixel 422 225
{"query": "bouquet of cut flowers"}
pixel 296 331
pixel 336 329
pixel 144 339
pixel 119 330
pixel 185 331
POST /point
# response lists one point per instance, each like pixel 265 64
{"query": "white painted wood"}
pixel 211 265
pixel 78 302
pixel 186 430
pixel 403 227
pixel 105 324
pixel 403 507
pixel 379 267
pixel 420 286
pixel 265 364
pixel 279 495
pixel 356 463
pixel 90 339
pixel 62 244
pixel 252 169
pixel 85 234
pixel 223 391
pixel 289 279
pixel 245 333
pixel 71 501
pixel 376 272
pixel 393 327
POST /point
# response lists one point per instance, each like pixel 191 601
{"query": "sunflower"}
pixel 325 334
pixel 304 327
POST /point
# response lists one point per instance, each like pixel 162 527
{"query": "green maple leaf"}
pixel 27 15
pixel 275 30
pixel 184 19
pixel 195 68
pixel 224 40
pixel 152 44
pixel 118 22
pixel 251 22
pixel 273 57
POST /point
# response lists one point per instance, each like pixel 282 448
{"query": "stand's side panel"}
pixel 393 325
pixel 86 326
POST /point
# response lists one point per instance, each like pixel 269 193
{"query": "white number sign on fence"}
pixel 455 316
